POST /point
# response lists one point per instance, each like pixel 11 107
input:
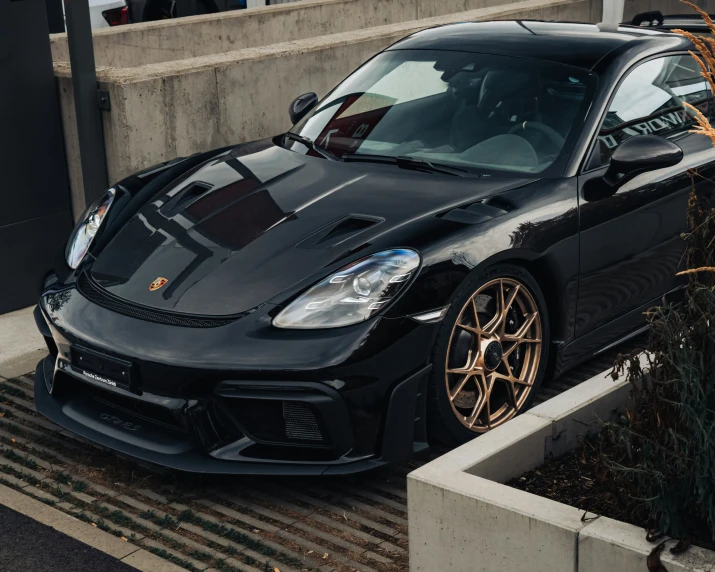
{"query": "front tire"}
pixel 489 356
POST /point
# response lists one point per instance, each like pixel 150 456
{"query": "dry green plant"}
pixel 705 46
pixel 662 453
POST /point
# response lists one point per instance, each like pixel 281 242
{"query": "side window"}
pixel 650 100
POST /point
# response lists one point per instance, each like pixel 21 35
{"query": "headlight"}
pixel 87 228
pixel 353 294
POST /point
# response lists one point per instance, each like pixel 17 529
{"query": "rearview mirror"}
pixel 301 106
pixel 637 155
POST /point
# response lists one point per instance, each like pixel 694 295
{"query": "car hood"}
pixel 254 222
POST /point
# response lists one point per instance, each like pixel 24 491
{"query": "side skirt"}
pixel 609 335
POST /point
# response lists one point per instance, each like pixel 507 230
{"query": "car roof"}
pixel 576 44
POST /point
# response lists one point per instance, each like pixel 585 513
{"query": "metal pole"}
pixel 55 18
pixel 86 101
pixel 612 14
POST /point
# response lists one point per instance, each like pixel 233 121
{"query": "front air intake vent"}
pixel 97 295
pixel 301 424
pixel 277 421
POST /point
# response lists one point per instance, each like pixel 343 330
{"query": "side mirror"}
pixel 637 155
pixel 301 106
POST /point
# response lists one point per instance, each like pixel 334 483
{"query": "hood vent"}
pixel 185 197
pixel 339 231
pixel 476 213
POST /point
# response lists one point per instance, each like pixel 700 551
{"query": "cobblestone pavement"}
pixel 221 523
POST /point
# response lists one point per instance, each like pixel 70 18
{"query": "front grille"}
pixel 277 421
pixel 97 295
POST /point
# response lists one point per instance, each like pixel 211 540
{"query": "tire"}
pixel 476 358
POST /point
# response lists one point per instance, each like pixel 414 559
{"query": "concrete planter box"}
pixel 462 518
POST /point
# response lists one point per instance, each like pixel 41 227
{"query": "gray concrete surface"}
pixel 38 537
pixel 608 544
pixel 153 42
pixel 462 518
pixel 28 545
pixel 21 345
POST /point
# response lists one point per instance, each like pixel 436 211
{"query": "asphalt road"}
pixel 26 545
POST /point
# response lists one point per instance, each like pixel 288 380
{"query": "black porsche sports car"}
pixel 477 207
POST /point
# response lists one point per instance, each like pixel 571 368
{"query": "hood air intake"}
pixel 339 231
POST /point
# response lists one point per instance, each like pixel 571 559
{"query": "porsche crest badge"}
pixel 158 283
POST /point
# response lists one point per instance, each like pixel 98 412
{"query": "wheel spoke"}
pixel 523 329
pixel 460 387
pixel 473 304
pixel 482 399
pixel 506 307
pixel 508 352
pixel 492 324
pixel 508 381
pixel 469 329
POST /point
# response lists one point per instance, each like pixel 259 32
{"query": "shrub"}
pixel 664 450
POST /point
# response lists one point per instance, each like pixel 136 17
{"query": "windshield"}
pixel 486 113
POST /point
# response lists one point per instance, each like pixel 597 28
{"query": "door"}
pixel 630 245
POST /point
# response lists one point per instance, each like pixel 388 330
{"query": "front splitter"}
pixel 190 461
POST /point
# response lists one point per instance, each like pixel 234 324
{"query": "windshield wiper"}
pixel 310 144
pixel 409 163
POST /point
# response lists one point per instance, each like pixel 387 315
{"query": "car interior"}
pixel 484 115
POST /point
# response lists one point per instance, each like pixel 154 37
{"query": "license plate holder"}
pixel 105 369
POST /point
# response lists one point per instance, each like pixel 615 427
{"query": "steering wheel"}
pixel 551 134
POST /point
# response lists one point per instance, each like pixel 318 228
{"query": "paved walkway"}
pixel 26 545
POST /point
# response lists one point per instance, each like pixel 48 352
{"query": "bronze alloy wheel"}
pixel 494 354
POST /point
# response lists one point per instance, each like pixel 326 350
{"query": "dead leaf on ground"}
pixel 325 556
pixel 653 534
pixel 682 546
pixel 653 562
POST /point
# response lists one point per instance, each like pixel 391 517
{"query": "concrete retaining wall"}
pixel 152 42
pixel 178 107
pixel 461 518
pixel 167 109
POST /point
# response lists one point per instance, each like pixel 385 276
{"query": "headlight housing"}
pixel 87 228
pixel 353 294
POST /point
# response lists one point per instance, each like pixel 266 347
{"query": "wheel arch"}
pixel 546 279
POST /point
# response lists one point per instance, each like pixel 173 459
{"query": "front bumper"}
pixel 349 408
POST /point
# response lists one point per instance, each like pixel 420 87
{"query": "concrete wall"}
pixel 152 42
pixel 172 108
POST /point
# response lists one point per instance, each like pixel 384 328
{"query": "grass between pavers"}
pixel 171 558
pixel 13 390
pixel 56 479
pixel 238 537
pixel 103 518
